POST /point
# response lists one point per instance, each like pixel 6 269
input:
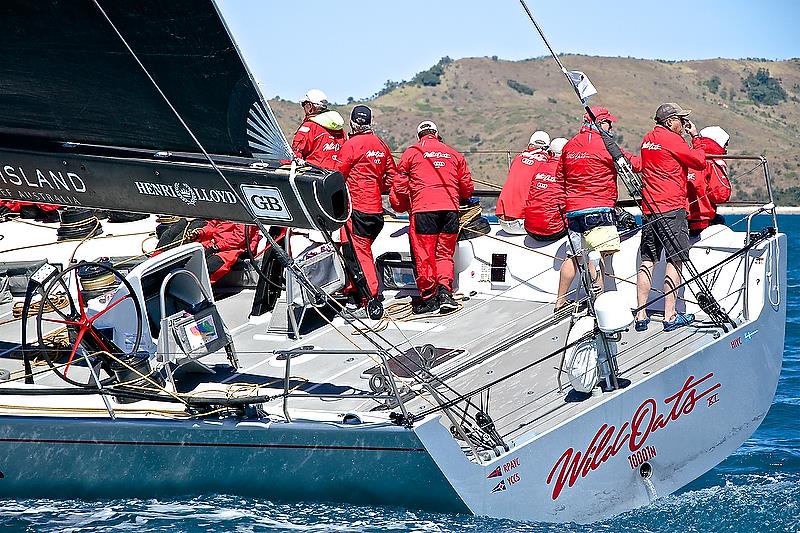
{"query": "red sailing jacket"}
pixel 228 240
pixel 14 206
pixel 590 178
pixel 707 188
pixel 319 139
pixel 368 166
pixel 546 200
pixel 511 203
pixel 431 177
pixel 666 160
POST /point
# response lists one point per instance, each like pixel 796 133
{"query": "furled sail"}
pixel 87 87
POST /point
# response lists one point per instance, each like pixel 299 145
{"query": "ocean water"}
pixel 756 489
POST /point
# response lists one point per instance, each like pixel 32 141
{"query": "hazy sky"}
pixel 350 48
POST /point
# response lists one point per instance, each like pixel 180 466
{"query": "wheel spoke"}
pixel 78 340
pixel 64 322
pixel 111 306
pixel 99 339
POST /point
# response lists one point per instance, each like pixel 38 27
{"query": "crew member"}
pixel 224 242
pixel 710 187
pixel 368 167
pixel 666 160
pixel 432 180
pixel 544 209
pixel 511 202
pixel 41 212
pixel 590 185
pixel 321 135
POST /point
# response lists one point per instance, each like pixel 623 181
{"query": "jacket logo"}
pixel 439 164
pixel 331 146
pixel 651 146
pixel 375 153
pixel 578 155
pixel 441 155
pixel 545 177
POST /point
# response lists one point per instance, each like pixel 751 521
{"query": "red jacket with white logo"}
pixel 546 200
pixel 511 203
pixel 368 166
pixel 227 240
pixel 588 171
pixel 319 139
pixel 666 160
pixel 707 188
pixel 431 177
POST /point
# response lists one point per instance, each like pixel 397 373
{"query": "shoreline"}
pixel 737 210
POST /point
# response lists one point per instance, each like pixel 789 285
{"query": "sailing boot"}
pixel 446 301
pixel 431 305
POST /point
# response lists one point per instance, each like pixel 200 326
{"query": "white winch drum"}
pixel 463 257
pixel 613 312
pixel 581 361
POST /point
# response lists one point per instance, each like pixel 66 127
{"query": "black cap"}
pixel 670 109
pixel 361 115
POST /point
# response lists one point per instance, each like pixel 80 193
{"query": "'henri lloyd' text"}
pixel 609 440
pixel 183 191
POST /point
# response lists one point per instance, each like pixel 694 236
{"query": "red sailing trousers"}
pixel 362 230
pixel 433 236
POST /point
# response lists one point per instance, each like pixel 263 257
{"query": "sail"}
pixel 112 104
pixel 67 75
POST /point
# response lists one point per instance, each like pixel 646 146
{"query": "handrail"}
pixel 301 351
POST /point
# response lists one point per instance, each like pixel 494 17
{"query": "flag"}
pixel 581 81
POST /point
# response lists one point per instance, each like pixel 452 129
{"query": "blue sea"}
pixel 756 489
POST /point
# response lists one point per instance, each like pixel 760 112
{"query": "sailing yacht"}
pixel 130 375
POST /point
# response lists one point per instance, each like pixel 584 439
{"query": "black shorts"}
pixel 436 222
pixel 549 238
pixel 668 232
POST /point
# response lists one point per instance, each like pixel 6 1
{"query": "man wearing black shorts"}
pixel 666 159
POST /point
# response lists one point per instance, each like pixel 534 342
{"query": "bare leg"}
pixel 644 281
pixel 565 277
pixel 672 278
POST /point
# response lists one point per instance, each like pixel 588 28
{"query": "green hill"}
pixel 484 105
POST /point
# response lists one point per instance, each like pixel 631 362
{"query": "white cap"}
pixel 540 139
pixel 557 145
pixel 716 134
pixel 427 125
pixel 316 97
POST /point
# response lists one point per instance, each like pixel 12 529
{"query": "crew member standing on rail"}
pixel 511 202
pixel 321 135
pixel 368 167
pixel 590 186
pixel 666 160
pixel 432 180
pixel 710 187
pixel 544 209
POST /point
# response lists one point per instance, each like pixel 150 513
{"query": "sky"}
pixel 349 48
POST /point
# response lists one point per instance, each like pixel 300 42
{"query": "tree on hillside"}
pixel 761 88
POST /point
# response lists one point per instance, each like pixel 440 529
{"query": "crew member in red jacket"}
pixel 511 202
pixel 710 187
pixel 666 160
pixel 432 180
pixel 43 212
pixel 368 167
pixel 321 135
pixel 544 209
pixel 224 242
pixel 590 185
